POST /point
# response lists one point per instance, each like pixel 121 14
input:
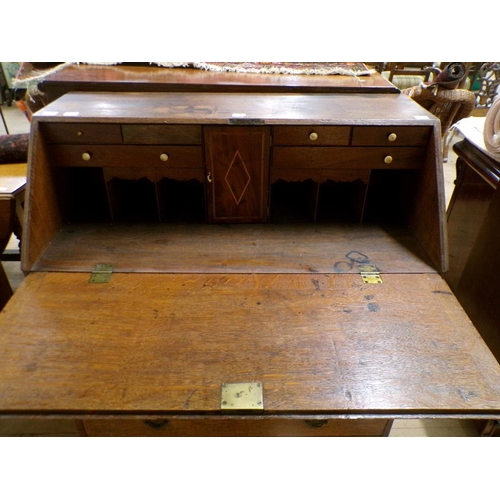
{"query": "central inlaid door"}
pixel 237 170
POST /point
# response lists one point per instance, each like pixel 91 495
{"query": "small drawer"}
pixel 311 135
pixel 227 427
pixel 391 136
pixel 89 155
pixel 350 158
pixel 82 133
pixel 161 134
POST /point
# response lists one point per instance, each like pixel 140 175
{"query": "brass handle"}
pixel 316 424
pixel 156 424
pixel 388 159
pixel 209 177
pixel 79 132
pixel 164 157
pixel 86 156
pixel 313 136
pixel 392 137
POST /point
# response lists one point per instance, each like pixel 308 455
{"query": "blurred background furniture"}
pixel 13 167
pixel 8 71
pixel 408 74
pixel 445 98
pixel 488 83
pixel 449 105
pixel 12 188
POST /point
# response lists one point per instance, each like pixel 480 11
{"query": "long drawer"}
pixel 202 427
pixel 348 157
pixel 89 155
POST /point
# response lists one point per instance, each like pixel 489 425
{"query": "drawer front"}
pixel 126 156
pixel 204 427
pixel 391 136
pixel 161 134
pixel 82 133
pixel 311 135
pixel 351 158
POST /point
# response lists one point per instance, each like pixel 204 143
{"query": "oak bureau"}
pixel 238 264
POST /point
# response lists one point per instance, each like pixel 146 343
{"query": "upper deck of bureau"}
pixel 231 108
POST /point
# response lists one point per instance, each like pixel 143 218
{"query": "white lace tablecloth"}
pixel 472 129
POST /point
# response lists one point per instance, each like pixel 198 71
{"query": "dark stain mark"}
pixel 348 395
pixel 466 395
pixel 443 292
pixel 188 399
pixel 369 297
pixel 258 303
pixel 315 284
pixel 358 257
pixel 348 311
pixel 155 313
pixel 373 307
pixel 353 257
pixel 342 266
pixel 312 270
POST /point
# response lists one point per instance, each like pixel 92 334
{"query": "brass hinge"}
pixel 370 274
pixel 101 273
pixel 242 397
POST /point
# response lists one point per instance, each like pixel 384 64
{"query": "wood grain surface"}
pixel 165 343
pixel 235 248
pixel 94 78
pixel 225 108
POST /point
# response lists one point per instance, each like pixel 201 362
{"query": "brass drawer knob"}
pixel 79 132
pixel 392 137
pixel 164 157
pixel 313 136
pixel 86 156
pixel 388 159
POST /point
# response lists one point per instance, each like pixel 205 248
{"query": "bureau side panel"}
pixel 428 214
pixel 43 215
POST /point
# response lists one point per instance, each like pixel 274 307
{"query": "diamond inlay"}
pixel 237 177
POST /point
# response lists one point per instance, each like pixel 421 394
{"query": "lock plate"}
pixel 242 397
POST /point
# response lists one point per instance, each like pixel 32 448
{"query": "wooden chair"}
pixel 408 74
pixel 449 105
